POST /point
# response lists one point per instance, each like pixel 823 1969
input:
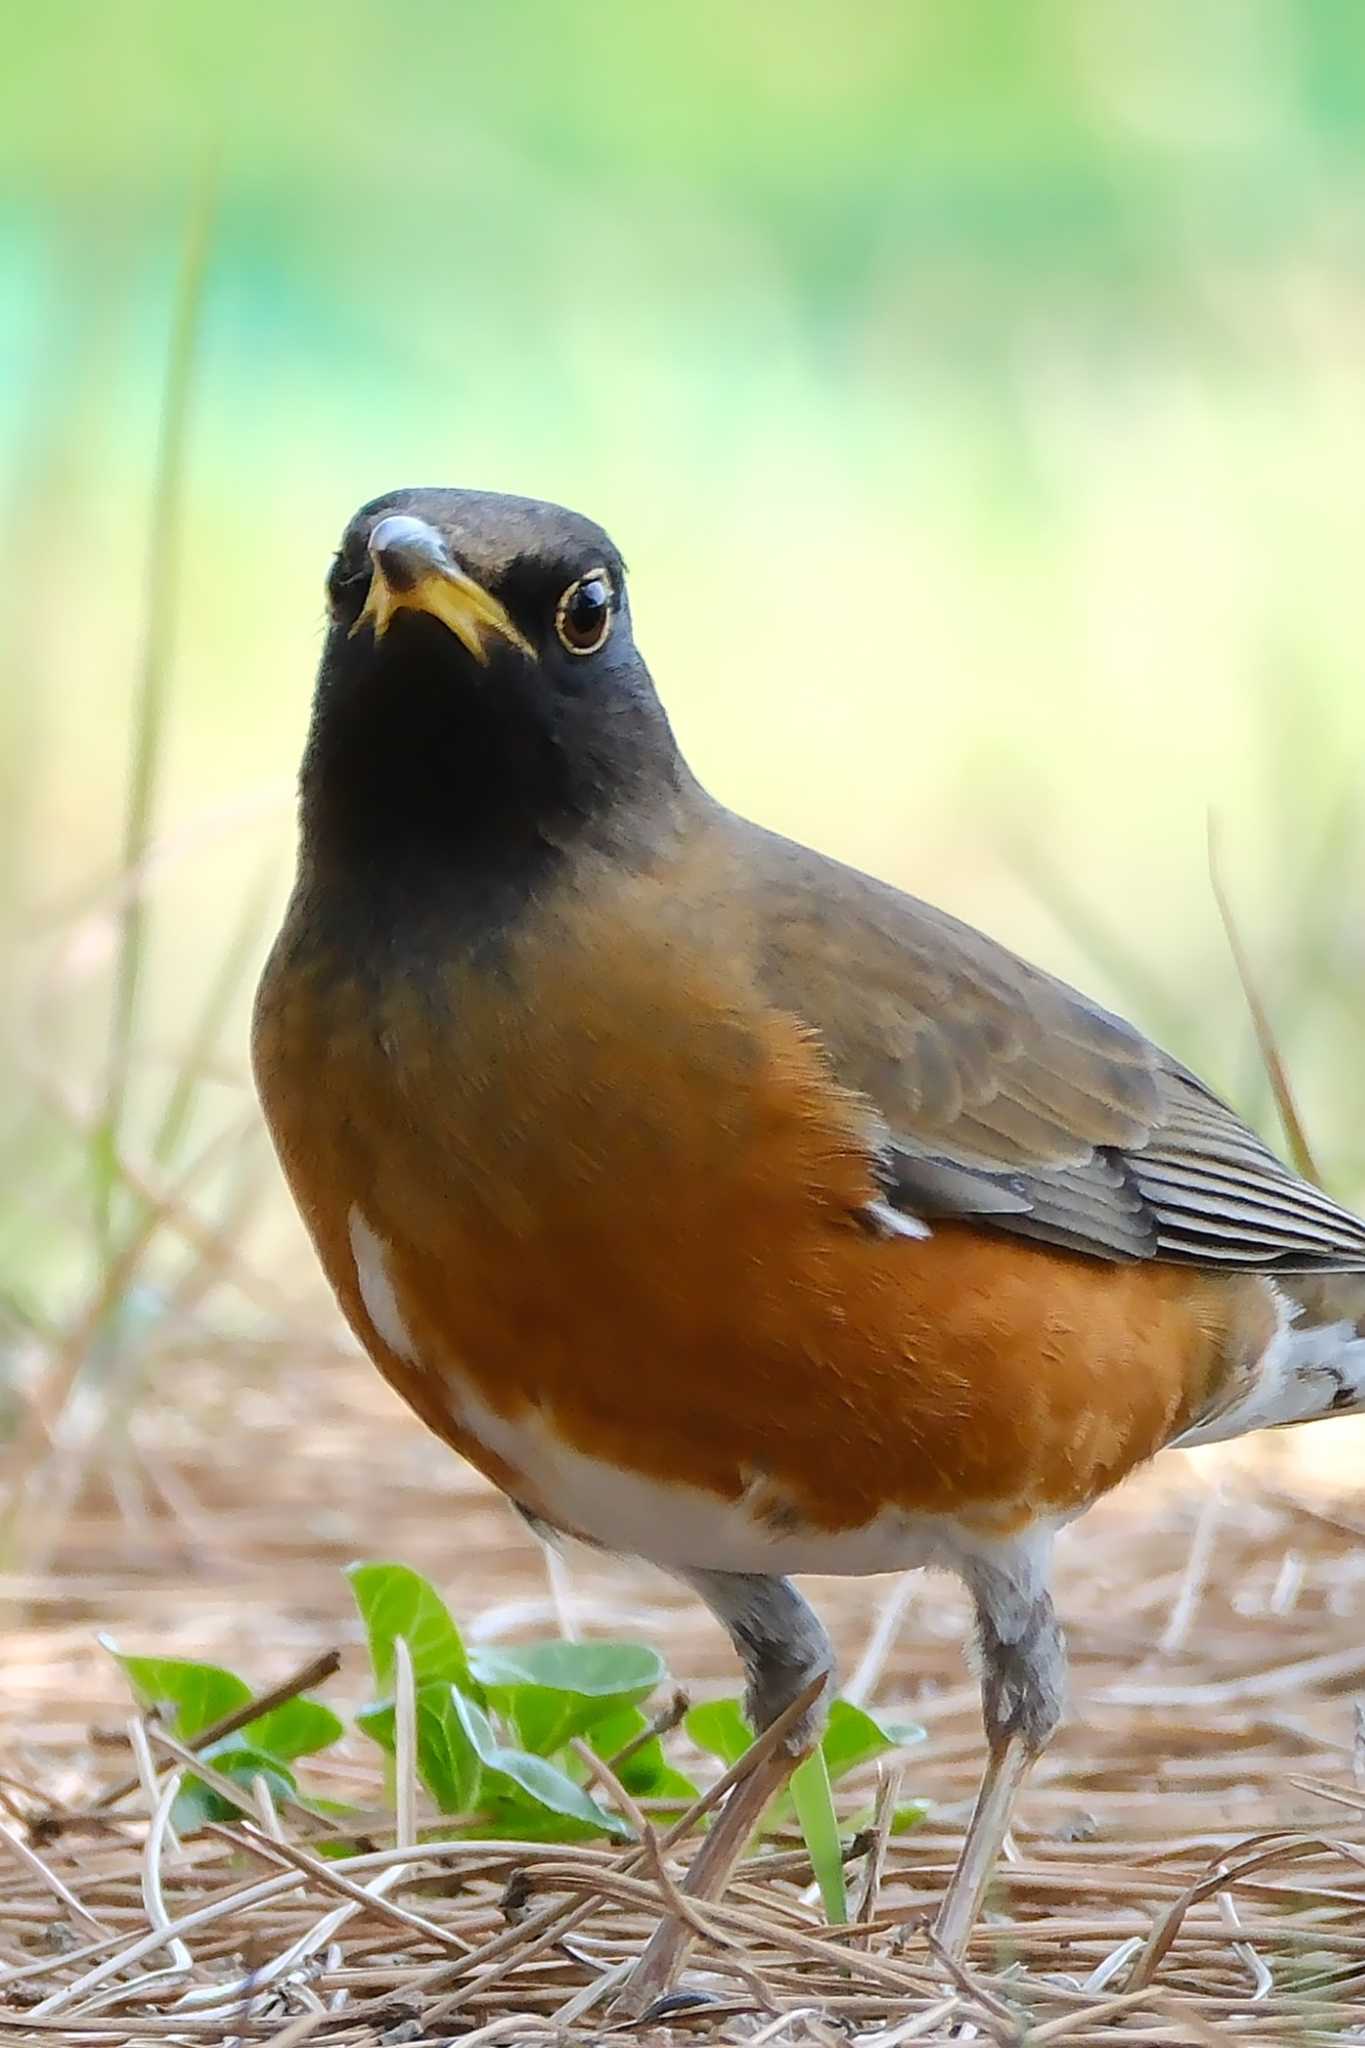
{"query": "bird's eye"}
pixel 583 614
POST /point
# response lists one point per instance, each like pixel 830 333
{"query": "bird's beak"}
pixel 414 571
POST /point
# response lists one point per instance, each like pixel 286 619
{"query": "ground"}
pixel 1215 1614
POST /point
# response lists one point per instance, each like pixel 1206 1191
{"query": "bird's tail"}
pixel 1313 1367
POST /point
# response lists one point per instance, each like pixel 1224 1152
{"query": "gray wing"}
pixel 1013 1100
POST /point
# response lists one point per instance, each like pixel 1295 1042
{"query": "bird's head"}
pixel 480 700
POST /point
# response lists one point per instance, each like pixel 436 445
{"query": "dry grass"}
pixel 1190 1860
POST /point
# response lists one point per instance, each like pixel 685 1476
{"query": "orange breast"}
pixel 625 1201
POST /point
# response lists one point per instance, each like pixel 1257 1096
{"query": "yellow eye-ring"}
pixel 583 614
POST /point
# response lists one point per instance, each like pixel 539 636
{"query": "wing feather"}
pixel 1013 1100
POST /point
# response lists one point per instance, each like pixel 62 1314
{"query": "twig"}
pixel 663 1723
pixel 874 1863
pixel 34 1863
pixel 404 1745
pixel 314 1672
pixel 330 1878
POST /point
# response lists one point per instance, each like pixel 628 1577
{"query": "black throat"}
pixel 434 790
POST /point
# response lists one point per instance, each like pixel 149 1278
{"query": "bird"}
pixel 725 1206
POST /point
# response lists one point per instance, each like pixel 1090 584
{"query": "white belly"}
pixel 678 1527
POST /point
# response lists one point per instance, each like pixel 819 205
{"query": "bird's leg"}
pixel 784 1648
pixel 1023 1672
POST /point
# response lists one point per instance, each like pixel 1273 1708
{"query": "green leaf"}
pixel 193 1696
pixel 378 1723
pixel 908 1815
pixel 517 1778
pixel 553 1691
pixel 197 1802
pixel 604 1671
pixel 521 1819
pixel 395 1601
pixel 617 1727
pixel 853 1737
pixel 447 1762
pixel 719 1727
pixel 189 1696
pixel 814 1804
pixel 301 1727
pixel 669 1784
pixel 647 1773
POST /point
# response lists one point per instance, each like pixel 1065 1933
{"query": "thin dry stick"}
pixel 404 1744
pixel 541 1930
pixel 37 1433
pixel 592 1994
pixel 231 1789
pixel 266 1811
pixel 499 2029
pixel 929 2021
pixel 299 2030
pixel 663 1723
pixel 780 2024
pixel 971 1985
pixel 1283 1846
pixel 723 1917
pixel 874 1863
pixel 330 1878
pixel 34 1863
pixel 325 1665
pixel 675 1899
pixel 153 1898
pixel 1106 2008
pixel 1262 1978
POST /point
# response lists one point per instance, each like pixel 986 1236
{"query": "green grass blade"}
pixel 149 710
pixel 815 1810
pixel 1300 1151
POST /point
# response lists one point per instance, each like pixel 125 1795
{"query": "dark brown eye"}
pixel 583 614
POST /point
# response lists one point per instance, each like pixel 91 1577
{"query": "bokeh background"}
pixel 976 392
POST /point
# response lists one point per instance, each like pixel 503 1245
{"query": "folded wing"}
pixel 1012 1099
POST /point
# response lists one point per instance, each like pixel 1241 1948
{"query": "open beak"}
pixel 414 571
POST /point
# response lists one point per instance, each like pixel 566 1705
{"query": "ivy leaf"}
pixel 853 1737
pixel 647 1773
pixel 518 1780
pixel 719 1727
pixel 395 1601
pixel 301 1727
pixel 196 1803
pixel 447 1762
pixel 188 1696
pixel 191 1697
pixel 553 1691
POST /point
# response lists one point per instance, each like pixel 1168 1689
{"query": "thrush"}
pixel 724 1206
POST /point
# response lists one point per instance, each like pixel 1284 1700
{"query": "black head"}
pixel 481 703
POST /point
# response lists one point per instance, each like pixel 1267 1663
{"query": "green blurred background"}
pixel 977 391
